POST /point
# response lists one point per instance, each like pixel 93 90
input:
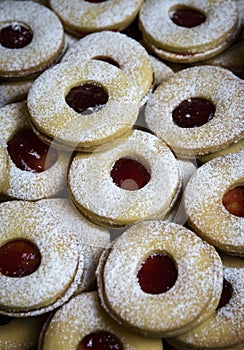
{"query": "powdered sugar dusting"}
pixel 112 205
pixel 47 42
pixel 13 91
pixel 203 202
pixel 227 125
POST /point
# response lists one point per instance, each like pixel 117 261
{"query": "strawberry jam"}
pixel 15 36
pixel 19 258
pixel 188 17
pixel 100 340
pixel 226 294
pixel 157 274
pixel 233 201
pixel 129 174
pixel 87 97
pixel 29 153
pixel 193 112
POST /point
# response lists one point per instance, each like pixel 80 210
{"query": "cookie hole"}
pixel 226 294
pixel 100 340
pixel 107 59
pixel 87 98
pixel 193 112
pixel 129 174
pixel 19 258
pixel 15 35
pixel 29 153
pixel 5 320
pixel 187 17
pixel 233 201
pixel 157 273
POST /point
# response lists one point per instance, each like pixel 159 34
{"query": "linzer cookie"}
pixel 195 114
pixel 31 39
pixel 214 202
pixel 224 328
pixel 174 279
pixel 138 178
pixel 83 104
pixel 120 50
pixel 83 17
pixel 40 266
pixel 13 91
pixel 82 324
pixel 189 31
pixel 34 170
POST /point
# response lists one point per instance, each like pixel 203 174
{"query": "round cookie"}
pixel 138 178
pixel 170 273
pixel 120 50
pixel 189 31
pixel 161 71
pixel 31 39
pixel 20 333
pixel 83 321
pixel 34 169
pixel 223 329
pixel 213 202
pixel 96 102
pixel 83 17
pixel 13 91
pixel 41 267
pixel 198 117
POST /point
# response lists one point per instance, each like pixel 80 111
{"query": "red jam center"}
pixel 19 258
pixel 29 153
pixel 87 97
pixel 233 201
pixel 107 59
pixel 15 36
pixel 129 174
pixel 226 294
pixel 157 274
pixel 100 341
pixel 187 17
pixel 5 320
pixel 193 112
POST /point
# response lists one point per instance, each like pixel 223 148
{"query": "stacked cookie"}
pixel 121 175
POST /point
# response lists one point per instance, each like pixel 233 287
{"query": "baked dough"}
pixel 61 266
pixel 223 329
pixel 192 298
pixel 112 206
pixel 83 316
pixel 126 52
pixel 13 91
pixel 204 203
pixel 52 116
pixel 22 184
pixel 47 43
pixel 226 126
pixel 216 30
pixel 83 17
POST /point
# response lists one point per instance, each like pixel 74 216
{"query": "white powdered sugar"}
pixel 13 91
pixel 46 45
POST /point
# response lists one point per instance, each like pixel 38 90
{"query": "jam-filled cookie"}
pixel 136 179
pixel 189 31
pixel 119 50
pixel 3 165
pixel 195 114
pixel 87 16
pixel 174 279
pixel 40 266
pixel 83 104
pixel 83 324
pixel 214 202
pixel 35 170
pixel 93 239
pixel 13 91
pixel 31 38
pixel 20 333
pixel 224 329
